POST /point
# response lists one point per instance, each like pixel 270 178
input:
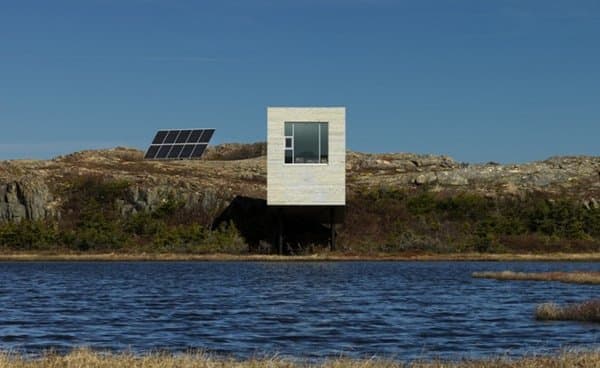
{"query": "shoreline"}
pixel 321 257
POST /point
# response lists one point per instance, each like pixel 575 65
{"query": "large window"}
pixel 306 143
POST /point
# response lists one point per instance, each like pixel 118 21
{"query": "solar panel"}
pixel 207 135
pixel 175 151
pixel 152 151
pixel 172 136
pixel 163 151
pixel 179 144
pixel 195 136
pixel 183 136
pixel 187 151
pixel 160 137
pixel 198 151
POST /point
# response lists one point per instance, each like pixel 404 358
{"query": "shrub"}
pixel 423 203
pixel 28 235
pixel 390 220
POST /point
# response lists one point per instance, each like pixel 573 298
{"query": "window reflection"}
pixel 306 143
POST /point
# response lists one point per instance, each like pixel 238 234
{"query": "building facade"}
pixel 306 156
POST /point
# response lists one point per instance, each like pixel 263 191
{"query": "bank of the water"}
pixel 90 359
pixel 326 257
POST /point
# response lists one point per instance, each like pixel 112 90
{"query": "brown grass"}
pixel 318 257
pixel 569 277
pixel 587 311
pixel 87 358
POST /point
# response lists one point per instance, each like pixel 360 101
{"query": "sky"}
pixel 505 80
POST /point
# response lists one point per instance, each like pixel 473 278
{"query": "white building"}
pixel 306 156
pixel 306 163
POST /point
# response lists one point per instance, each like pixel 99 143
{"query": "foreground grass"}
pixel 326 256
pixel 87 358
pixel 568 277
pixel 588 311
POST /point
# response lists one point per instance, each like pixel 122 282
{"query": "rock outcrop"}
pixel 26 197
pixel 35 189
pixel 574 175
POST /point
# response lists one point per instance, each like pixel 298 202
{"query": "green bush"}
pixel 28 235
pixel 421 204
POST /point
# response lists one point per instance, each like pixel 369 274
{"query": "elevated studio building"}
pixel 306 164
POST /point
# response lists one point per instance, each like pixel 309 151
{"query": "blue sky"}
pixel 504 80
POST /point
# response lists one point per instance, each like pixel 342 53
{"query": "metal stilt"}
pixel 332 221
pixel 280 231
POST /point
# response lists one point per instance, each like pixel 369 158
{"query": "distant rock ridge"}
pixel 32 189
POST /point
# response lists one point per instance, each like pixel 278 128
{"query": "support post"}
pixel 332 221
pixel 280 231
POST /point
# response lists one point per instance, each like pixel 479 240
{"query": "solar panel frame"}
pixel 179 144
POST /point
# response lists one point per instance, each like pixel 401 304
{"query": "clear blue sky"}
pixel 504 80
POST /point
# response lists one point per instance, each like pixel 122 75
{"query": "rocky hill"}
pixel 34 189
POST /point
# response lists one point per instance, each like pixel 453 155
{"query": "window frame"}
pixel 291 137
pixel 285 147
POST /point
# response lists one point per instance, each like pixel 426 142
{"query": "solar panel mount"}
pixel 179 144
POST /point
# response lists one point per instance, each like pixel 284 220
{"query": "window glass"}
pixel 306 143
pixel 324 138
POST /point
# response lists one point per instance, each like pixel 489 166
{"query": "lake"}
pixel 401 310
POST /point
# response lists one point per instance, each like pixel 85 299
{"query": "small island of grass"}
pixel 588 311
pixel 568 277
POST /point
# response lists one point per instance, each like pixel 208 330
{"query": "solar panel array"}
pixel 179 144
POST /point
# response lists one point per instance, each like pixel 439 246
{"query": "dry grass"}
pixel 326 256
pixel 569 277
pixel 87 358
pixel 587 311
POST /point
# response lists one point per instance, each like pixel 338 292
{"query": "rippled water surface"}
pixel 402 310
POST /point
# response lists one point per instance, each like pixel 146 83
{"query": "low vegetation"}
pixel 569 277
pixel 396 221
pixel 90 359
pixel 92 222
pixel 378 221
pixel 588 311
